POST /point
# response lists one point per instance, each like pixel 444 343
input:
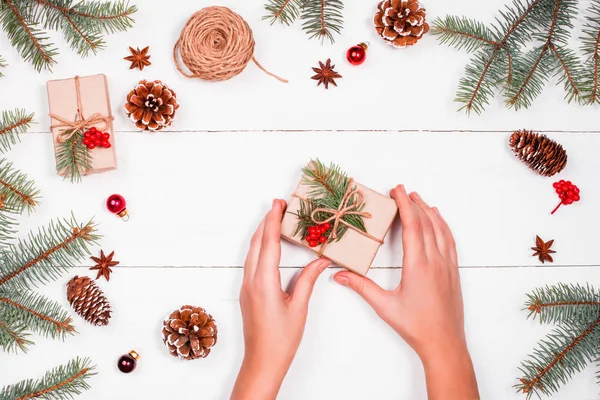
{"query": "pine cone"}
pixel 400 23
pixel 189 333
pixel 151 105
pixel 88 301
pixel 540 153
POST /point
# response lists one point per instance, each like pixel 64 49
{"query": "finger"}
pixel 270 246
pixel 307 279
pixel 429 232
pixel 253 252
pixel 412 235
pixel 449 242
pixel 371 292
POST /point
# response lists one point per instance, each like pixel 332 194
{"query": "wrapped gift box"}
pixel 93 91
pixel 355 250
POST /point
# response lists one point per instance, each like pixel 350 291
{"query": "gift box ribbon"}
pixel 337 215
pixel 69 128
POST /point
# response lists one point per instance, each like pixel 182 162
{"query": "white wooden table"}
pixel 196 193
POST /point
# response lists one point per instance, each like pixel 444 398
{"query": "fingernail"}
pixel 402 188
pixel 436 210
pixel 324 265
pixel 342 280
pixel 415 195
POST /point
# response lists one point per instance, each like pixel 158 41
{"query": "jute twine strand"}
pixel 215 44
pixel 69 128
pixel 338 214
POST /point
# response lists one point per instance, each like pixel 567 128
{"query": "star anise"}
pixel 542 250
pixel 103 265
pixel 139 58
pixel 326 74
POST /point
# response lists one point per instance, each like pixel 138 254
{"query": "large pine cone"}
pixel 151 105
pixel 189 333
pixel 539 152
pixel 400 23
pixel 88 301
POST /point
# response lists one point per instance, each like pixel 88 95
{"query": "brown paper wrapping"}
pixel 354 250
pixel 62 100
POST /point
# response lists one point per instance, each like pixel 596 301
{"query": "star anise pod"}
pixel 103 265
pixel 326 74
pixel 139 58
pixel 542 250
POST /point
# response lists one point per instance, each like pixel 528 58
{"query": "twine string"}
pixel 216 44
pixel 68 128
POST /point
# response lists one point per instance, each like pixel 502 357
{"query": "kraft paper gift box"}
pixel 355 250
pixel 94 101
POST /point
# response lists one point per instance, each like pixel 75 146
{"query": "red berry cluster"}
pixel 94 138
pixel 567 192
pixel 316 234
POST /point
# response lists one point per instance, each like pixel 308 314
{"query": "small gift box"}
pixel 76 106
pixel 337 217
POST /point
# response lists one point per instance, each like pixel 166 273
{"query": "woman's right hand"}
pixel 426 309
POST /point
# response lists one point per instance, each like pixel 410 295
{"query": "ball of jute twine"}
pixel 215 44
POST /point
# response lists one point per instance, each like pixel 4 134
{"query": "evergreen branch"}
pixel 62 382
pixel 564 304
pixel 569 70
pixel 2 65
pixel 73 157
pixel 284 11
pixel 7 226
pixel 29 41
pixel 12 124
pixel 37 313
pixel 510 68
pixel 463 33
pixel 564 352
pixel 46 255
pixel 13 337
pixel 591 50
pixel 16 191
pixel 322 18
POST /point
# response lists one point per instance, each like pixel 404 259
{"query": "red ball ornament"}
pixel 116 204
pixel 128 362
pixel 357 55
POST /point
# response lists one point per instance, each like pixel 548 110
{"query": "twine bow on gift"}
pixel 68 128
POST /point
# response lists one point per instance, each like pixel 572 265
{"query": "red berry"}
pixel 87 135
pixel 91 145
pixel 86 141
pixel 570 193
pixel 576 198
pixel 97 142
pixel 106 144
pixel 322 239
pixel 327 226
pixel 93 129
pixel 313 243
pixel 311 229
pixel 569 201
pixel 105 136
pixel 314 236
pixel 575 189
pixel 561 182
pixel 563 196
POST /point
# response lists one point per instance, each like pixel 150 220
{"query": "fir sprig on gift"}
pixel 73 157
pixel 12 124
pixel 82 23
pixel 573 345
pixel 62 382
pixel 321 18
pixel 328 188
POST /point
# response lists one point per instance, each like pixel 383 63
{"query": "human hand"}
pixel 273 319
pixel 426 309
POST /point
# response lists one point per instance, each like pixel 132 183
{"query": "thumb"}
pixel 307 279
pixel 371 292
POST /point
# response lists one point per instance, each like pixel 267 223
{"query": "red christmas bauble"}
pixel 128 362
pixel 116 204
pixel 357 55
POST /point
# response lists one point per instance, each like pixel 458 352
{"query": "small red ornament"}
pixel 128 362
pixel 357 55
pixel 567 192
pixel 116 204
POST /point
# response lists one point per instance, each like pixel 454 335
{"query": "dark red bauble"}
pixel 128 362
pixel 116 204
pixel 357 55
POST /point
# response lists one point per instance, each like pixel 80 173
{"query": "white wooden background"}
pixel 197 192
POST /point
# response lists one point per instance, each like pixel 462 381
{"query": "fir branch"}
pixel 463 33
pixel 322 18
pixel 62 382
pixel 12 124
pixel 564 304
pixel 16 191
pixel 569 70
pixel 45 317
pixel 591 50
pixel 13 337
pixel 564 352
pixel 2 65
pixel 7 226
pixel 284 11
pixel 73 157
pixel 30 42
pixel 46 255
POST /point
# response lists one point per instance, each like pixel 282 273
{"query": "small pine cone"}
pixel 189 333
pixel 540 153
pixel 151 105
pixel 400 23
pixel 88 301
